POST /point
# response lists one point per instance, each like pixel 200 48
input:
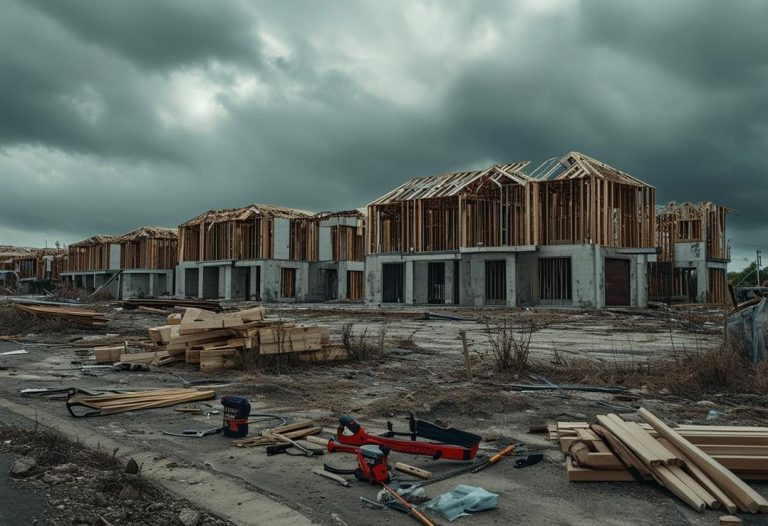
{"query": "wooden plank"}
pixel 577 474
pixel 703 479
pixel 741 493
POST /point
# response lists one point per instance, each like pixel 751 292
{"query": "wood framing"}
pixel 90 254
pixel 573 200
pixel 149 248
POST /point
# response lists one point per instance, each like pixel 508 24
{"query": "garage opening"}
pixel 436 282
pixel 393 281
pixel 555 285
pixel 288 283
pixel 354 284
pixel 496 282
pixel 617 286
pixel 686 284
pixel 210 282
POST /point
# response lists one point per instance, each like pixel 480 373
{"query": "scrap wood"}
pixel 111 403
pixel 291 431
pixel 133 303
pixel 81 317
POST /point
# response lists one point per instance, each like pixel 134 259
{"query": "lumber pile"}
pixel 704 466
pixel 111 403
pixel 86 318
pixel 224 340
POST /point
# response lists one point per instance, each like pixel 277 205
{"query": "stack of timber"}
pixel 111 403
pixel 704 466
pixel 86 318
pixel 225 340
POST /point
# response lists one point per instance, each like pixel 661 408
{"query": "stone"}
pixel 129 492
pixel 23 466
pixel 189 517
pixel 706 403
pixel 155 507
pixel 52 480
pixel 65 468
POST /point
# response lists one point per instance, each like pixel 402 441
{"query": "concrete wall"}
pixel 693 255
pixel 522 275
pixel 145 283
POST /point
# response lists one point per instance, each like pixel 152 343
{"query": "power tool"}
pixel 450 443
pixel 373 462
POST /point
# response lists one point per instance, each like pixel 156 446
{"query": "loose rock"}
pixel 23 466
pixel 189 517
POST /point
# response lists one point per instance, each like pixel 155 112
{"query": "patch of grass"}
pixel 509 345
pixel 364 346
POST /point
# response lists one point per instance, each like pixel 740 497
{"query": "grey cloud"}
pixel 160 34
pixel 128 113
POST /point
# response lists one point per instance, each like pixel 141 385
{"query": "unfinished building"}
pixel 271 254
pixel 148 261
pixel 139 263
pixel 692 265
pixel 574 231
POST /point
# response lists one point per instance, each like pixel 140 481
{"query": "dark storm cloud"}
pixel 159 33
pixel 115 114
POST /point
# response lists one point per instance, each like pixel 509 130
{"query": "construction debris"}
pixel 168 303
pixel 704 466
pixel 80 317
pixel 222 341
pixel 112 403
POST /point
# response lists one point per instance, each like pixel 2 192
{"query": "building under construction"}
pixel 574 231
pixel 139 263
pixel 694 254
pixel 272 254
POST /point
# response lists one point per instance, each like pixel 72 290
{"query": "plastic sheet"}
pixel 463 500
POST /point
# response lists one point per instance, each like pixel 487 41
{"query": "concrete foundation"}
pixel 510 276
pixel 133 283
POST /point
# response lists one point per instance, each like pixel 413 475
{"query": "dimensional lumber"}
pixel 741 493
pixel 111 403
pixel 80 317
pixel 228 340
pixel 412 470
pixel 703 479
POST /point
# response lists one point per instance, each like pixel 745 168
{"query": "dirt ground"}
pixel 422 370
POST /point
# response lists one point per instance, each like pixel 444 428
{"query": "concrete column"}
pixel 180 286
pixel 420 282
pixel 408 278
pixel 477 280
pixel 341 281
pixel 702 282
pixel 200 282
pixel 511 280
pixel 225 282
pixel 449 277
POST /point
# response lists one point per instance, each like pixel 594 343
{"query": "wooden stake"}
pixel 467 362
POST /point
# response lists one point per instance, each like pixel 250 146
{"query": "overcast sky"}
pixel 121 113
